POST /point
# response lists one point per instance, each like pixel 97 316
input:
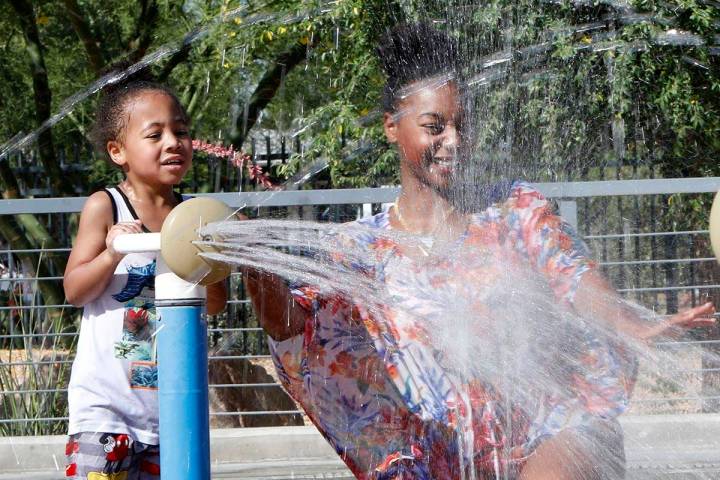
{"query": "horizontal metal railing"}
pixel 574 199
pixel 358 196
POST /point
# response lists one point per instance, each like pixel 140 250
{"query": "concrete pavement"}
pixel 672 447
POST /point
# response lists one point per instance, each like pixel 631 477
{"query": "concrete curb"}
pixel 251 452
pixel 658 446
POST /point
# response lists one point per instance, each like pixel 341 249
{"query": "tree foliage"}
pixel 556 86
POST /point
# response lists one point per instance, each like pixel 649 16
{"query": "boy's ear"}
pixel 116 152
pixel 390 126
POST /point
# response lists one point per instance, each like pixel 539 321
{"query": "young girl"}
pixel 112 395
pixel 374 381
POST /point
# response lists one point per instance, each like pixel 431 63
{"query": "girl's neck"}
pixel 421 209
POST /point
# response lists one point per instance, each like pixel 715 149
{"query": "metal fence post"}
pixel 569 212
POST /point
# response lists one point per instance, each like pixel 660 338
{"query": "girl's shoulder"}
pixel 380 220
pixel 518 202
pixel 369 229
pixel 506 196
pixel 510 191
pixel 522 188
pixel 361 233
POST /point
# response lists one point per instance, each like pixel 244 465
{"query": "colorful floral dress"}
pixel 401 397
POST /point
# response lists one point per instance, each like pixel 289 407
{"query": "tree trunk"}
pixel 144 28
pixel 86 36
pixel 267 88
pixel 42 92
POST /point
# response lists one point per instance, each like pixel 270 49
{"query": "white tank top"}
pixel 113 385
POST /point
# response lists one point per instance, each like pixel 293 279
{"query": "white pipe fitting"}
pixel 137 243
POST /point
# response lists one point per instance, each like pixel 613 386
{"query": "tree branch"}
pixel 267 88
pixel 86 36
pixel 176 59
pixel 144 29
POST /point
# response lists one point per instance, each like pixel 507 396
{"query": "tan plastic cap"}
pixel 180 230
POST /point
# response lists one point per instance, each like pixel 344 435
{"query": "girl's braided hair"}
pixel 413 52
pixel 112 114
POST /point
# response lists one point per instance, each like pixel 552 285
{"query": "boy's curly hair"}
pixel 111 114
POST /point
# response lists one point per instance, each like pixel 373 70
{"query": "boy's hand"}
pixel 121 228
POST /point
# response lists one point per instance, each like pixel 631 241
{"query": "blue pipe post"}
pixel 181 334
pixel 182 379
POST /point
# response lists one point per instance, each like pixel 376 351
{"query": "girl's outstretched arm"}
pixel 556 250
pixel 277 312
pixel 596 299
pixel 216 298
pixel 93 261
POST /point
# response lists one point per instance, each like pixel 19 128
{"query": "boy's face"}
pixel 156 147
pixel 427 131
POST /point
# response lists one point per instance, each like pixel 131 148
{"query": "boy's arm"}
pixel 91 264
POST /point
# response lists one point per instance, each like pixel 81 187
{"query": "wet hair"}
pixel 112 114
pixel 413 52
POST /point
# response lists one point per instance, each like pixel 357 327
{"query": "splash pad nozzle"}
pixel 715 226
pixel 182 358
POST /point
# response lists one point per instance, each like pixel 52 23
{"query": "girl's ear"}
pixel 390 127
pixel 116 152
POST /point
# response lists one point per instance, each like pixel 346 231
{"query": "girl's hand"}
pixel 121 228
pixel 675 326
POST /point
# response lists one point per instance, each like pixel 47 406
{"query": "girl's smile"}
pixel 427 131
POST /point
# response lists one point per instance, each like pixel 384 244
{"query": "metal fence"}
pixel 631 226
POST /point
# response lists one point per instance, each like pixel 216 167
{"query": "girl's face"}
pixel 427 131
pixel 156 148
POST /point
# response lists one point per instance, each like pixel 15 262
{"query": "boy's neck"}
pixel 151 203
pixel 145 193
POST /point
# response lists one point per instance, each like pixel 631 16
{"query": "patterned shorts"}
pixel 110 456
